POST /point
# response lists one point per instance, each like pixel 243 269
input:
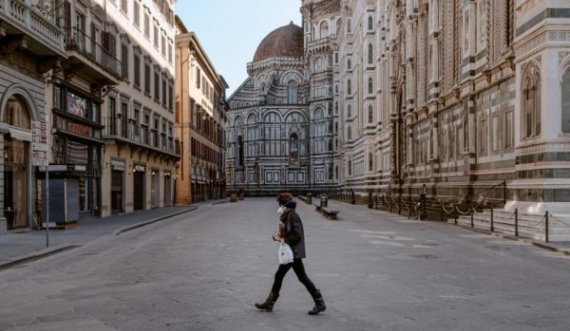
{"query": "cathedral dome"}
pixel 286 41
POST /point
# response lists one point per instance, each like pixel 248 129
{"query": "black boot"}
pixel 319 304
pixel 268 304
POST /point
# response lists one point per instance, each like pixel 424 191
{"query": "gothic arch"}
pixel 262 81
pixel 323 29
pixel 269 114
pixel 292 113
pixel 289 75
pixel 531 100
pixel 251 118
pixel 319 114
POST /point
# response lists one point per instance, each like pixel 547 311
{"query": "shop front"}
pixel 139 172
pixel 168 188
pixel 117 186
pixel 155 188
pixel 75 174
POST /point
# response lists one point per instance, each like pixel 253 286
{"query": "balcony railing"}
pixel 37 25
pixel 138 135
pixel 80 42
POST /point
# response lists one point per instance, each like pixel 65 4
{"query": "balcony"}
pixel 91 59
pixel 25 26
pixel 138 137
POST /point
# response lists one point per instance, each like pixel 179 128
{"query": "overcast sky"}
pixel 230 30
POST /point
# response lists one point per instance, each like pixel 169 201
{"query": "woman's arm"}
pixel 292 230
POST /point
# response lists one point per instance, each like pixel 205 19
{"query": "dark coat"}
pixel 291 230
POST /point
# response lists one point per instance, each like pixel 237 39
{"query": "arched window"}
pixel 370 23
pixel 335 127
pixel 349 167
pixel 293 148
pixel 349 87
pixel 336 107
pixel 324 29
pixel 349 133
pixel 370 54
pixel 348 64
pixel 16 113
pixel 292 92
pixel 370 85
pixel 531 103
pixel 370 114
pixel 240 152
pixel 566 101
pixel 370 162
pixel 348 111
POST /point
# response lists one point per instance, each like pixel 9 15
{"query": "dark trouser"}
pixel 299 271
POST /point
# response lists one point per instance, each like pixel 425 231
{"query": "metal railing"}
pixel 80 42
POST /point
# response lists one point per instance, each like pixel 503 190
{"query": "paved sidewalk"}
pixel 556 246
pixel 24 245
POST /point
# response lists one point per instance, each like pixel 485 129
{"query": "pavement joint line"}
pixel 140 225
pixel 37 256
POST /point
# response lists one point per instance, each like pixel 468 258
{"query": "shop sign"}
pixel 140 168
pixel 118 165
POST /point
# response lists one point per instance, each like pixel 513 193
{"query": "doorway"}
pixel 16 163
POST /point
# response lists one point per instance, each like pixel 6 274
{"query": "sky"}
pixel 230 30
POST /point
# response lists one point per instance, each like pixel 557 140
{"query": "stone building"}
pixel 139 156
pixel 460 100
pixel 279 130
pixel 200 120
pixel 94 81
pixel 31 50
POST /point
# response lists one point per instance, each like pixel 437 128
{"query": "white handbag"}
pixel 285 253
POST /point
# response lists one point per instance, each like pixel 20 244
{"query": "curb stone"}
pixel 158 219
pixel 60 249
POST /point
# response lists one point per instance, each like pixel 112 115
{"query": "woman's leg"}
pixel 274 294
pixel 299 269
pixel 279 275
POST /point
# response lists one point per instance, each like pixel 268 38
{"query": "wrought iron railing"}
pixel 80 42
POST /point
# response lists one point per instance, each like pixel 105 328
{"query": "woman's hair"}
pixel 283 198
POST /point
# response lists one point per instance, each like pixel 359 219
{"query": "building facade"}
pixel 460 100
pixel 200 121
pixel 88 91
pixel 138 114
pixel 32 50
pixel 279 134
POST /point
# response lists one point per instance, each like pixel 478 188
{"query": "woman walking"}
pixel 291 231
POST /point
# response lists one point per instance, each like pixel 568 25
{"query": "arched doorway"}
pixel 16 162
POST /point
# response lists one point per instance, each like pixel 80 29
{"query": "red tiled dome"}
pixel 286 41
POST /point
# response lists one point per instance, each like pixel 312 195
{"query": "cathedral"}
pixel 455 100
pixel 280 127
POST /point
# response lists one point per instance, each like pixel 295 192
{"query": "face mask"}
pixel 280 210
